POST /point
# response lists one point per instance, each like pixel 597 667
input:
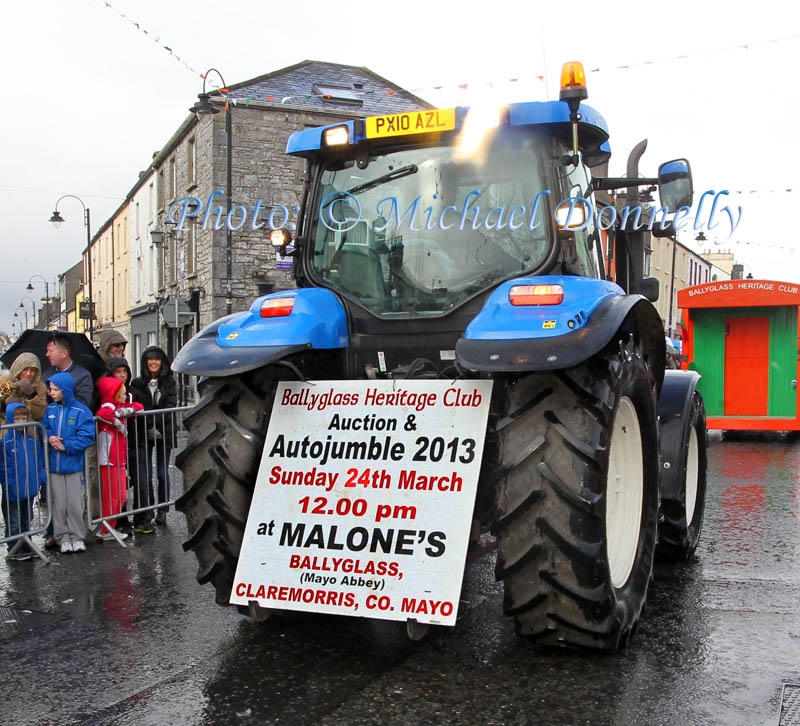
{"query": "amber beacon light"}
pixel 573 81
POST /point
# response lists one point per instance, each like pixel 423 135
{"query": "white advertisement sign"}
pixel 364 499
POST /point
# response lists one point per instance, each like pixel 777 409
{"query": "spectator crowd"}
pixel 94 438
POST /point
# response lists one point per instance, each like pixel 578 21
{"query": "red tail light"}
pixel 536 295
pixel 277 307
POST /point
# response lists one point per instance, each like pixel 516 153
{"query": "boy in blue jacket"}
pixel 70 431
pixel 22 472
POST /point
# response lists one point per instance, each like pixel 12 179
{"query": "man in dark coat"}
pixel 59 353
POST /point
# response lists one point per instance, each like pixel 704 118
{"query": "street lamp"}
pixel 56 220
pixel 204 107
pixel 16 315
pixel 33 304
pixel 46 299
pixel 33 310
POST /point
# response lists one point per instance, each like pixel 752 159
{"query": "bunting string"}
pixel 754 245
pixel 464 86
pixel 152 36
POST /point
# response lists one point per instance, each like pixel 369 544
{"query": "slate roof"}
pixel 294 83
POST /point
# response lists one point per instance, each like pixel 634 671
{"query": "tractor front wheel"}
pixel 219 464
pixel 577 497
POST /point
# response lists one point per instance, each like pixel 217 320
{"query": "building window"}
pixel 189 250
pixel 337 95
pixel 647 255
pixel 161 190
pixel 151 339
pixel 173 179
pixel 191 163
pixel 137 351
pixel 137 220
pixel 173 258
pixel 162 266
pixel 150 202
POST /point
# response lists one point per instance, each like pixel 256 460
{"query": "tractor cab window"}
pixel 420 231
pixel 576 182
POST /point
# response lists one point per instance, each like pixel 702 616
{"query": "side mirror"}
pixel 648 287
pixel 675 184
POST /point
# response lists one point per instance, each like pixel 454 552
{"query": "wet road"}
pixel 128 637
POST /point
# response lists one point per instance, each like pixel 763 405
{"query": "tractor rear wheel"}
pixel 577 497
pixel 682 517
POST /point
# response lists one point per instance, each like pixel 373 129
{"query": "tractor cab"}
pixel 413 219
pixel 417 224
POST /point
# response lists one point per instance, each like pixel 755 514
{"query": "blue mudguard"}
pixel 506 338
pixel 244 341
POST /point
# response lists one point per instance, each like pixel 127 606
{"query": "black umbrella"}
pixel 35 341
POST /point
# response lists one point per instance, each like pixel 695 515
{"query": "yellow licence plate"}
pixel 413 122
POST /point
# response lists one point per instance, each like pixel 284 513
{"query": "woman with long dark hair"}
pixel 156 389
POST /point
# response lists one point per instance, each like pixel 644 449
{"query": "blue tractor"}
pixel 431 246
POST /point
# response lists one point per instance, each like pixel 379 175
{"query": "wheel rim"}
pixel 692 472
pixel 624 492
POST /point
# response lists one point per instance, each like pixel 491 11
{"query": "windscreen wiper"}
pixel 378 180
pixel 372 183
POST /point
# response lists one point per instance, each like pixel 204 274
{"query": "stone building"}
pixel 186 268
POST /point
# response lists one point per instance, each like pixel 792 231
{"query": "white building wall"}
pixel 143 253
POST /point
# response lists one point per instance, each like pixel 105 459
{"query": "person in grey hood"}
pixel 156 389
pixel 111 344
pixel 23 384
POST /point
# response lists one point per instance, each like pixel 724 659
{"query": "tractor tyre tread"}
pixel 226 431
pixel 552 456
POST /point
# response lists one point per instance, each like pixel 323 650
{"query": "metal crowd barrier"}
pixel 23 517
pixel 133 475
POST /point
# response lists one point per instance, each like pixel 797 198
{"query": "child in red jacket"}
pixel 112 447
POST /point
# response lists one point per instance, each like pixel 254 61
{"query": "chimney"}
pixel 737 272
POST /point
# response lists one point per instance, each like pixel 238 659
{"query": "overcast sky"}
pixel 88 97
